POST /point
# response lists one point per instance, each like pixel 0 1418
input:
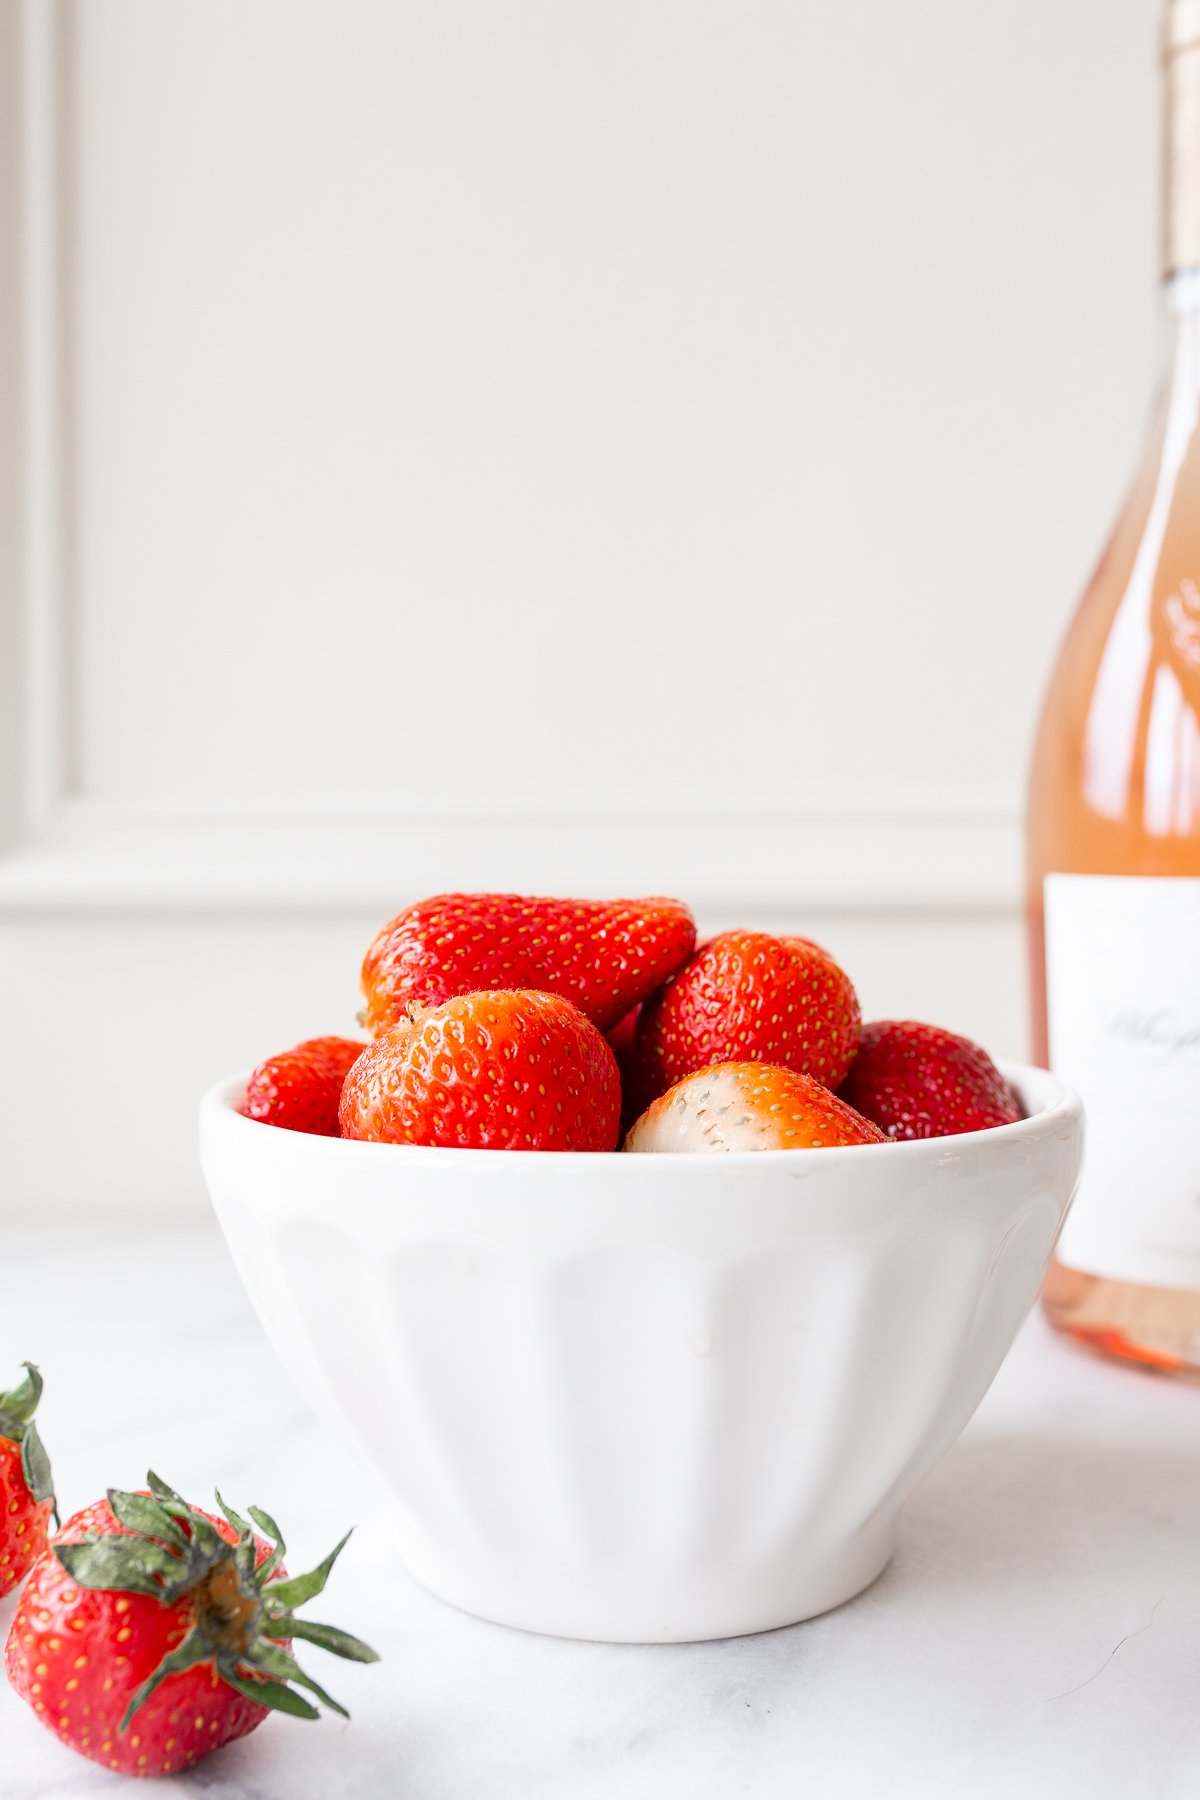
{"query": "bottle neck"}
pixel 1182 394
pixel 1181 137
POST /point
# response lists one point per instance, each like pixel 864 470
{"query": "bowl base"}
pixel 601 1607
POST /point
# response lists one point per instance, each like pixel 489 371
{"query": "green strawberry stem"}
pixel 17 1408
pixel 241 1615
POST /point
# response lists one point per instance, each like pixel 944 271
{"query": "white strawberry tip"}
pixel 748 1106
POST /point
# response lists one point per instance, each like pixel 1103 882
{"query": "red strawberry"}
pixel 26 1485
pixel 622 1035
pixel 490 1071
pixel 300 1088
pixel 748 997
pixel 605 955
pixel 917 1081
pixel 150 1633
pixel 621 1039
pixel 749 1106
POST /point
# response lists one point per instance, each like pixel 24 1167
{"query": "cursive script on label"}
pixel 1162 1030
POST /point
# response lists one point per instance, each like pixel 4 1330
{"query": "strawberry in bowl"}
pixel 495 1070
pixel 746 996
pixel 301 1089
pixel 917 1081
pixel 749 1106
pixel 604 955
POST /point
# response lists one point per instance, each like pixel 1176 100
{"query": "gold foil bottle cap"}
pixel 1181 175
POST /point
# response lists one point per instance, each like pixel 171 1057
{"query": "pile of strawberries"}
pixel 508 1023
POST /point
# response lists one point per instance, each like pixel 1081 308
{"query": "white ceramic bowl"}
pixel 645 1398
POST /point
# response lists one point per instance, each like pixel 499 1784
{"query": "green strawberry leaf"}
pixel 18 1405
pixel 327 1637
pixel 235 1519
pixel 269 1528
pixel 277 1661
pixel 163 1493
pixel 35 1466
pixel 299 1588
pixel 147 1516
pixel 126 1565
pixel 273 1694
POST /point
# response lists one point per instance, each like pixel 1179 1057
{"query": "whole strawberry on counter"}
pixel 300 1088
pixel 150 1632
pixel 749 1106
pixel 494 1070
pixel 26 1484
pixel 917 1081
pixel 604 955
pixel 746 996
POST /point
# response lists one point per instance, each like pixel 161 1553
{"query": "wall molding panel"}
pixel 868 852
pixel 903 861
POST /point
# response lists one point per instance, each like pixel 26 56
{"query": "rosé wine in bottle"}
pixel 1114 848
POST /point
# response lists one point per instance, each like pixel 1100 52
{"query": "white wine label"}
pixel 1123 996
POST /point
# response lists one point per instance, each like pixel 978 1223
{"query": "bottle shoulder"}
pixel 1110 585
pixel 1115 782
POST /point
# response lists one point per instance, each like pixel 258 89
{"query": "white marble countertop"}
pixel 1037 1633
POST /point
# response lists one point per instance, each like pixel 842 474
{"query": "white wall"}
pixel 642 446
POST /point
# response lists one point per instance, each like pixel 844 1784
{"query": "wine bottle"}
pixel 1114 846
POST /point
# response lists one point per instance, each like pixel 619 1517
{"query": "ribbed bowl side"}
pixel 644 1402
pixel 632 1411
